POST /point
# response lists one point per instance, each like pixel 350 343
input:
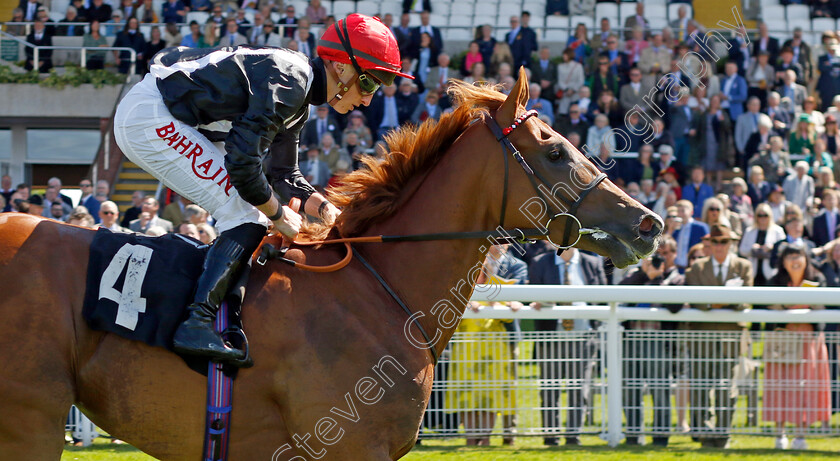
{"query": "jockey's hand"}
pixel 288 224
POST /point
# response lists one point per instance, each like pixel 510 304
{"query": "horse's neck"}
pixel 451 198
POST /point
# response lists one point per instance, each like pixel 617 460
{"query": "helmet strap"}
pixel 343 87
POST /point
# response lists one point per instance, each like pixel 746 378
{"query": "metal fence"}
pixel 625 372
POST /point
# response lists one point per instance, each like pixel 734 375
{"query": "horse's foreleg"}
pixel 28 433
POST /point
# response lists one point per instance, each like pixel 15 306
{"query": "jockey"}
pixel 202 122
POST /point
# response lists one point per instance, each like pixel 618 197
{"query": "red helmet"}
pixel 373 46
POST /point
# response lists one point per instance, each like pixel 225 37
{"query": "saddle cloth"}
pixel 138 287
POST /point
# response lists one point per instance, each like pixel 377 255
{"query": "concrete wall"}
pixel 32 100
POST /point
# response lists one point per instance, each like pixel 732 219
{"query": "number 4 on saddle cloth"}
pixel 138 287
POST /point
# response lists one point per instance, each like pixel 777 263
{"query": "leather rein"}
pixel 500 235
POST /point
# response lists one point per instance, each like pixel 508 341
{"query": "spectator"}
pixel 289 22
pixel 801 54
pixel 582 7
pixel 305 39
pixel 758 242
pixel 579 44
pixel 100 11
pixel 383 112
pixel 206 233
pixel 232 37
pixel 569 80
pixel 425 27
pixel 172 33
pixel 243 22
pixel 697 191
pixel 574 122
pixel 636 45
pixel 760 77
pixel 739 50
pixel 600 133
pixel 188 230
pixel 39 37
pixel 780 117
pixel 794 234
pixel 637 20
pixel 95 59
pixel 689 234
pixel 153 46
pixel 764 42
pixel 801 141
pixel 316 12
pixel 775 162
pixel 607 105
pixel 557 7
pixel 797 384
pixel 521 39
pixel 331 153
pixel 501 61
pixel 633 92
pixel 642 168
pixel 217 17
pixel 760 139
pixel 148 217
pixel 599 38
pixel 544 73
pixel 356 124
pixel 793 93
pixel 714 212
pixel 567 358
pixel 831 136
pixel 604 79
pixel 825 223
pixel 713 358
pixel 407 100
pixel 828 84
pixel 210 38
pixel 315 128
pixel 538 103
pixel 354 150
pixel 267 36
pixel 680 25
pixel 29 8
pixel 315 170
pixel 713 142
pixel 745 126
pixel 825 178
pixel 194 39
pixel 127 8
pixel 487 363
pixel 6 191
pixel 430 109
pixel 486 42
pixel 115 24
pixel 733 91
pixel 81 218
pixel 741 202
pixel 654 60
pixel 647 361
pixel 51 197
pixel 799 187
pixel 146 13
pixel 819 158
pixel 131 37
pixel 403 34
pixel 618 61
pixel 70 30
pixel 174 211
pixel 173 11
pixel 108 215
pixel 17 29
pixel 439 75
pixel 777 203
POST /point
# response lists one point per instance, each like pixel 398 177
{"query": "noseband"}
pixel 570 206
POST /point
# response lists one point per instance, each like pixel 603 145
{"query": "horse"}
pixel 341 372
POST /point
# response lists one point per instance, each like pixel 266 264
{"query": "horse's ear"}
pixel 516 100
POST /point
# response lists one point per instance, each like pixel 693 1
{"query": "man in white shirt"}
pixel 799 187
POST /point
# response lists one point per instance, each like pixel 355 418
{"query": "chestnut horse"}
pixel 338 375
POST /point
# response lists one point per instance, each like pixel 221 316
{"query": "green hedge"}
pixel 72 76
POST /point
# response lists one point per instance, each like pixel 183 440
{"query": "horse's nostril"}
pixel 649 226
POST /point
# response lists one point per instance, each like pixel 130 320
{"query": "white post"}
pixel 614 378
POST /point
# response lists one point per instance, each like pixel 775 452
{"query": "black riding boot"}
pixel 222 266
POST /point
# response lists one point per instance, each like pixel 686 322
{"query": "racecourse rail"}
pixel 613 358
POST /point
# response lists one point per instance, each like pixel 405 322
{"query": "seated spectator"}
pixel 780 116
pixel 636 45
pixel 6 191
pixel 407 99
pixel 114 25
pixel 39 37
pixel 793 93
pixel 600 133
pixel 819 158
pixel 799 187
pixel 81 218
pixel 267 37
pixel 502 58
pixel 713 359
pixel 128 9
pixel 331 153
pixel 664 199
pixel 95 59
pixel 741 202
pixel 633 91
pixel 585 101
pixel 131 37
pixel 71 30
pixel 188 230
pixel 608 105
pixel 714 212
pixel 206 233
pixel 217 16
pixel 817 119
pixel 109 213
pixel 642 167
pixel 826 223
pixel 174 211
pixel 714 142
pixel 194 38
pixel 428 109
pixel 746 125
pixel 797 384
pixel 761 77
pixel 211 36
pixel 541 105
pixel 476 74
pixel 697 191
pixel 569 80
pixel 153 46
pixel 99 10
pixel 146 13
pixel 173 11
pixel 314 170
pixel 194 214
pixel 574 122
pixel 578 43
pixel 603 79
pixel 200 5
pixel 232 36
pixel 356 124
pixel 149 217
pixel 472 56
pixel 316 12
pixel 288 22
pixel 825 181
pixel 172 33
pixel 17 29
pixel 243 22
pixel 305 39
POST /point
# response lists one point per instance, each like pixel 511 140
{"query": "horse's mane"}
pixel 373 192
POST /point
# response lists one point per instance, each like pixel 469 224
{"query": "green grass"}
pixel 531 449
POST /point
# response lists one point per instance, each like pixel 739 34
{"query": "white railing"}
pixel 612 336
pixel 82 57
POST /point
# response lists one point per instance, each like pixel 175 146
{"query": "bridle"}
pixel 500 235
pixel 570 206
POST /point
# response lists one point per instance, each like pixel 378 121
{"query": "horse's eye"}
pixel 555 155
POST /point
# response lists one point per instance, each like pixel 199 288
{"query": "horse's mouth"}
pixel 621 253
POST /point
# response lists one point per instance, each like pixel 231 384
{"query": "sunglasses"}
pixel 762 216
pixel 85 185
pixel 368 85
pixel 714 209
pixel 672 216
pixel 108 212
pixel 719 242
